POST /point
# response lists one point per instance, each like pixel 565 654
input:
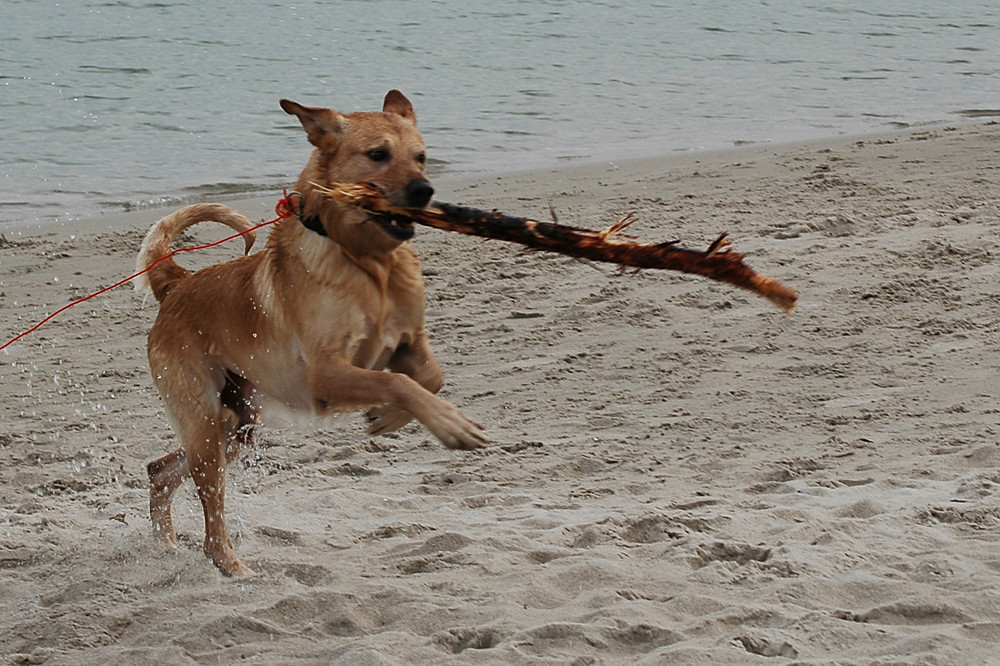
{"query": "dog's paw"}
pixel 165 536
pixel 460 432
pixel 383 420
pixel 230 566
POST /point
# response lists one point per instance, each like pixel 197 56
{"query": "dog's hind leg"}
pixel 211 434
pixel 240 414
pixel 206 446
pixel 165 475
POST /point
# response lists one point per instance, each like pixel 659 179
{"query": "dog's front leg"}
pixel 415 360
pixel 340 385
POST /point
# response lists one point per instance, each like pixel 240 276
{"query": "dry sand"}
pixel 679 472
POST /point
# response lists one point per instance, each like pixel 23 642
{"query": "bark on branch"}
pixel 716 263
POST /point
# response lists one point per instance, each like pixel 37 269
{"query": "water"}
pixel 112 105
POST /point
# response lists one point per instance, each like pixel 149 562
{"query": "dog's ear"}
pixel 323 126
pixel 396 102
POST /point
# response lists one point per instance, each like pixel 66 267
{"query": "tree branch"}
pixel 718 262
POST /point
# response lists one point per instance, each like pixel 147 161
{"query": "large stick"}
pixel 716 263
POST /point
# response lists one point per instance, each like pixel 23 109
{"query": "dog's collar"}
pixel 313 224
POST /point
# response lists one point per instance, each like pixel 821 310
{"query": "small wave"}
pixel 141 5
pixel 105 98
pixel 223 189
pixel 134 205
pixel 101 69
pixel 77 39
pixel 979 113
pixel 165 128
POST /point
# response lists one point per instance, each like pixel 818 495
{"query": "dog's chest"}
pixel 373 340
pixel 369 327
pixel 356 314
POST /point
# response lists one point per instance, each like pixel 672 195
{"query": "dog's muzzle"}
pixel 397 228
pixel 417 195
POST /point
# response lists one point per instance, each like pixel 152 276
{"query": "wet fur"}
pixel 318 323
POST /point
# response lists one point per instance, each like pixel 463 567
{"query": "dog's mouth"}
pixel 398 228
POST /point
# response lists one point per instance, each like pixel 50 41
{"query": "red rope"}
pixel 283 210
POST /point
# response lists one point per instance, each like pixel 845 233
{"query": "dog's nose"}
pixel 418 193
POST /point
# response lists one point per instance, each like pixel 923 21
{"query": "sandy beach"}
pixel 679 472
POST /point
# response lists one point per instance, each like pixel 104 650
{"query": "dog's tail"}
pixel 157 244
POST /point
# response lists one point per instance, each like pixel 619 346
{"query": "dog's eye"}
pixel 378 155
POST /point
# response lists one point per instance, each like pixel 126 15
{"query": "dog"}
pixel 328 317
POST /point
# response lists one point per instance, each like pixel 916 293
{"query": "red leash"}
pixel 283 209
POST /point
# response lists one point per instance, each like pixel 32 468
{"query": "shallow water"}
pixel 112 105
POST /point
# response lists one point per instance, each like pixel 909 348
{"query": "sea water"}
pixel 110 105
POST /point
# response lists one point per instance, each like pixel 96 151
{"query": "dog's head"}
pixel 383 148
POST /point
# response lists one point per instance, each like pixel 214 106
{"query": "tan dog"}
pixel 312 321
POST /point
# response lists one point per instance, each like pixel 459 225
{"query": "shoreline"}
pixel 679 473
pixel 257 206
pixel 126 203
